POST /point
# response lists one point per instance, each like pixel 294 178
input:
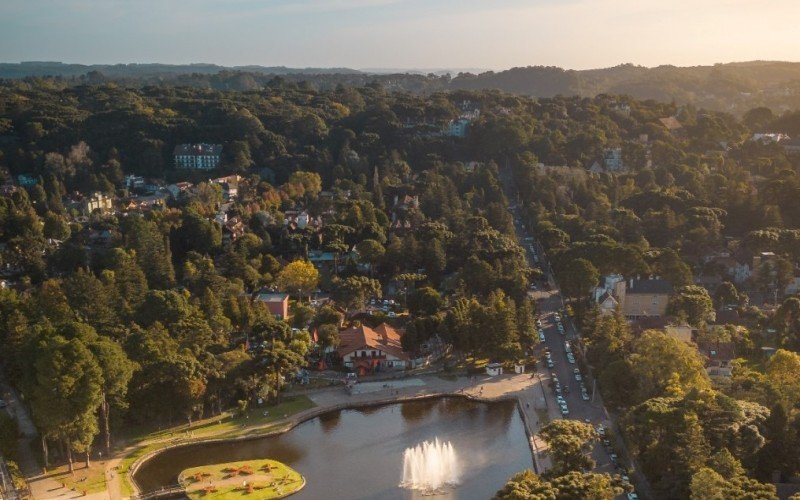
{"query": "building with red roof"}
pixel 368 350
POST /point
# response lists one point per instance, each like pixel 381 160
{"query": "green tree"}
pixel 424 301
pixel 66 394
pixel 693 303
pixel 299 277
pixel 117 371
pixel 526 485
pixel 354 291
pixel 663 364
pixel 570 443
pixel 576 277
pixel 371 252
pixel 782 370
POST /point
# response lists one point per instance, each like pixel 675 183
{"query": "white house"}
pixel 367 350
pixel 494 369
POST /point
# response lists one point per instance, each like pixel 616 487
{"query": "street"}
pixel 550 302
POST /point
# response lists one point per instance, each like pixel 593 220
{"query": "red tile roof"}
pixel 382 337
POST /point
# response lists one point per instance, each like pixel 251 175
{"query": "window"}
pixel 363 354
pixel 373 354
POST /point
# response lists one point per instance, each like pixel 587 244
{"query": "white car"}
pixel 550 363
pixel 584 395
pixel 541 336
pixel 571 358
pixel 633 496
pixel 577 373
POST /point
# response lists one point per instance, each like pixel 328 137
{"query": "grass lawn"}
pixel 225 425
pixel 91 480
pixel 263 479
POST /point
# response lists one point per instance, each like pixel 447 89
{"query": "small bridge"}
pixel 172 491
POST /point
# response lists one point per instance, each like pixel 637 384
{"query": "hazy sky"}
pixel 492 34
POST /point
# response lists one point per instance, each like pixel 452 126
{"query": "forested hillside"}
pixel 734 87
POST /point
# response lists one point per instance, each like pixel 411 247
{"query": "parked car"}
pixel 571 358
pixel 577 373
pixel 633 496
pixel 584 395
pixel 541 336
pixel 550 363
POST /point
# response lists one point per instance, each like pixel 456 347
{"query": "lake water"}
pixel 358 453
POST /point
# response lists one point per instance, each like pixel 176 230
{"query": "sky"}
pixel 410 34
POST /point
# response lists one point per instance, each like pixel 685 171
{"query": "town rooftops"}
pixel 198 149
pixel 655 286
pixel 670 122
pixel 717 351
pixel 382 337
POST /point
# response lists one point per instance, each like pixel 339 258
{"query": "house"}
pixel 607 296
pixel 402 207
pixel 738 271
pixel 645 297
pixel 197 156
pixel 369 350
pixel 759 261
pixel 149 202
pixel 457 128
pixel 132 182
pixel 680 332
pixel 229 184
pixel 671 123
pixel 179 189
pixel 300 219
pixel 97 202
pixel 232 229
pixel 277 303
pixel 769 138
pixel 494 369
pixel 718 357
pixel 613 160
pixel 26 181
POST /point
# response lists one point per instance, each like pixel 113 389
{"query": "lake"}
pixel 358 453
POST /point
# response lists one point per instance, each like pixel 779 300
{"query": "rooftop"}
pixel 382 337
pixel 650 286
pixel 272 296
pixel 198 149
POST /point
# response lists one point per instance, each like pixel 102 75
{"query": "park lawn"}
pixel 91 480
pixel 266 479
pixel 225 425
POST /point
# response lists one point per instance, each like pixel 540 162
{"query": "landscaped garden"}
pixel 264 479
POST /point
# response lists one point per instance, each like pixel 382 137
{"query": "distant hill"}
pixel 732 87
pixel 36 68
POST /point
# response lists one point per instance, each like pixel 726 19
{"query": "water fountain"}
pixel 430 467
